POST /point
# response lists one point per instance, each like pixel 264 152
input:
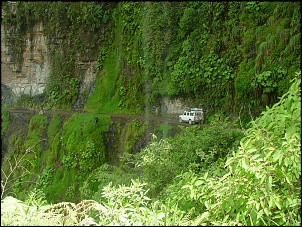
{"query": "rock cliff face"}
pixel 25 71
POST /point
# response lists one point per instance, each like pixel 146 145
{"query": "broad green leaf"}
pixel 161 215
pixel 252 150
pixel 206 175
pixel 225 176
pixel 253 216
pixel 291 130
pixel 205 214
pixel 198 182
pixel 229 161
pixel 288 181
pixel 266 211
pixel 271 202
pixel 276 155
pixel 250 202
pixel 259 214
pixel 245 163
pixel 186 186
pixel 280 158
pixel 286 161
pixel 200 219
pixel 225 218
pixel 263 179
pixel 257 206
pixel 279 173
pixel 255 156
pixel 269 184
pixel 206 204
pixel 277 204
pixel 259 174
pixel 269 153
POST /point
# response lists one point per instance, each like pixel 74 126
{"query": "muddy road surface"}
pixel 165 119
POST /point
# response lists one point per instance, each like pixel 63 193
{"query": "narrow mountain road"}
pixel 165 119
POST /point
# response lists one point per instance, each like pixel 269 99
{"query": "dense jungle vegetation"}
pixel 203 176
pixel 227 57
pixel 240 61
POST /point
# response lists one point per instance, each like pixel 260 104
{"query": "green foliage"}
pixel 266 166
pixel 123 205
pixel 250 187
pixel 119 85
pixel 131 206
pixel 4 121
pixel 62 88
pixel 101 177
pixel 153 161
pixel 230 56
pixel 206 51
pixel 133 132
pixel 45 178
pixel 10 180
pixel 203 145
pixel 53 128
pixel 162 131
pixel 34 142
pixel 104 99
pixel 82 150
pixel 193 148
pixel 25 213
pixel 218 119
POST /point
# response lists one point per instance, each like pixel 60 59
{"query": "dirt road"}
pixel 166 119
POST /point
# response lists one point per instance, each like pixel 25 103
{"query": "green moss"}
pixel 59 188
pixel 55 146
pixel 104 99
pixel 119 84
pixel 49 156
pixel 25 155
pixel 4 121
pixel 35 133
pixel 133 131
pixel 35 138
pixel 78 149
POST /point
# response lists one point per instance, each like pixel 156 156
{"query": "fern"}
pixel 283 34
pixel 271 20
pixel 294 42
pixel 263 48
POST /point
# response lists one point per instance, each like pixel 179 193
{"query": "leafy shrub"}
pixel 197 148
pixel 122 205
pixel 131 206
pixel 156 165
pixel 203 145
pixel 101 177
pixel 262 172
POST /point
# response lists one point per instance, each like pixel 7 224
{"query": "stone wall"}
pixel 173 106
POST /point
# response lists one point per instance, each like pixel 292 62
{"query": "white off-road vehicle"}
pixel 192 116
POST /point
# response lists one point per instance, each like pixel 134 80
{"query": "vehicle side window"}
pixel 191 114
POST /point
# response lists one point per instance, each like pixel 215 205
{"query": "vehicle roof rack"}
pixel 195 109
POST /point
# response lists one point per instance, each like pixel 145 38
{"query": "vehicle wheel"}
pixel 190 121
pixel 180 120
